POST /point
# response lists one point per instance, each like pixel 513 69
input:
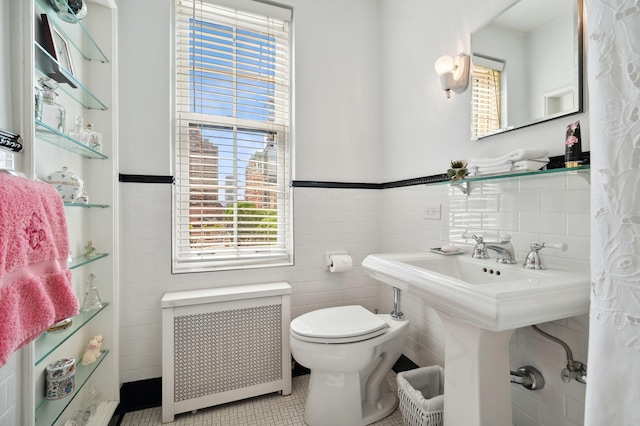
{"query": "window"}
pixel 486 96
pixel 232 196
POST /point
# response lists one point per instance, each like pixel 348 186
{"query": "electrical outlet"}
pixel 432 212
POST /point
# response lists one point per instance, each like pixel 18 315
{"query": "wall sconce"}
pixel 454 73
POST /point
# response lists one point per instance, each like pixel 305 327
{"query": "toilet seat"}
pixel 343 324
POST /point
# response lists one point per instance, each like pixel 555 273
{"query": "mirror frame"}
pixel 580 59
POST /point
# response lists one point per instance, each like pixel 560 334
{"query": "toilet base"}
pixel 371 413
pixel 335 399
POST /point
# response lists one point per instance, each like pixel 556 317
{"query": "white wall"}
pixel 423 130
pixel 336 87
pixel 336 132
pixel 9 383
pixel 368 108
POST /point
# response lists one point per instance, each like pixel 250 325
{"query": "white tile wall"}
pixel 9 391
pixel 549 208
pixel 324 219
pixel 552 208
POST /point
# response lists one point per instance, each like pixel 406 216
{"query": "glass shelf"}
pixel 48 342
pixel 463 185
pixel 81 93
pixel 53 136
pixel 49 411
pixel 86 205
pixel 79 261
pixel 87 46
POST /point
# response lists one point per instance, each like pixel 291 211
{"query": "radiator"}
pixel 224 344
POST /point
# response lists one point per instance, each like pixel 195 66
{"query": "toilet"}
pixel 349 351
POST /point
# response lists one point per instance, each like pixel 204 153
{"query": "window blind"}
pixel 486 111
pixel 232 196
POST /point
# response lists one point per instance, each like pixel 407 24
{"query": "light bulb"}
pixel 444 65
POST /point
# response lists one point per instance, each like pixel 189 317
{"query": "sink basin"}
pixel 480 303
pixel 482 292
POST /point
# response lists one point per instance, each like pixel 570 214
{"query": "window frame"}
pixel 238 257
pixel 488 65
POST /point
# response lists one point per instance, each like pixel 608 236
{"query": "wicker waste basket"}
pixel 421 395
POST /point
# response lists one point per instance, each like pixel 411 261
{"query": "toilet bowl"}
pixel 349 351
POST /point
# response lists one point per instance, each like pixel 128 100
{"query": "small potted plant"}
pixel 458 170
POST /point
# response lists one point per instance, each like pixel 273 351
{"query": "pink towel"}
pixel 35 281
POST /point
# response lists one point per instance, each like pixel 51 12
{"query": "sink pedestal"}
pixel 477 385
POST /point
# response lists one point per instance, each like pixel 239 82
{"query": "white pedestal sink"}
pixel 480 303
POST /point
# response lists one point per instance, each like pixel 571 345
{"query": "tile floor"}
pixel 272 410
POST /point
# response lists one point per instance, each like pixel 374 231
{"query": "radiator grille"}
pixel 221 351
pixel 224 344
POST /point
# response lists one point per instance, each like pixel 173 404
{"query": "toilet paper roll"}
pixel 340 263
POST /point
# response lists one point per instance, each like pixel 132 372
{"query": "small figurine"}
pixel 90 249
pixel 92 352
pixel 98 338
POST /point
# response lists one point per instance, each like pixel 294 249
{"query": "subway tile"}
pixel 575 410
pixel 528 202
pixel 543 183
pixel 523 419
pixel 579 224
pixel 578 181
pixel 483 203
pixel 499 186
pixel 500 221
pixel 524 402
pixel 3 396
pixel 548 223
pixel 465 220
pixel 566 201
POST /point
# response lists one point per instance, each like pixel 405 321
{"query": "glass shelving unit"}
pixel 45 64
pixel 49 411
pixel 464 185
pixel 86 205
pixel 78 87
pixel 85 44
pixel 55 137
pixel 79 261
pixel 49 342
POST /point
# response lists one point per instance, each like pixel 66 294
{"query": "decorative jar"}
pixel 69 185
pixel 60 380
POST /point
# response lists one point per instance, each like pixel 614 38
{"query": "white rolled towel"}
pixel 503 168
pixel 523 165
pixel 529 165
pixel 512 157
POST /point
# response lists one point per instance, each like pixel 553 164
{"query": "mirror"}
pixel 527 66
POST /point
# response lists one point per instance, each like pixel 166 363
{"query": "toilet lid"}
pixel 338 323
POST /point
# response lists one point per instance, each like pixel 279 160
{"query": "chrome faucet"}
pixel 506 253
pixel 504 248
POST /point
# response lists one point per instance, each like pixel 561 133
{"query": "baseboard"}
pixel 403 364
pixel 140 394
pixel 143 394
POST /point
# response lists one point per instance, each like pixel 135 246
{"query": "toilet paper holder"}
pixel 327 256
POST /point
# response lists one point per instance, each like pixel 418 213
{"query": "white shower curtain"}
pixel 613 387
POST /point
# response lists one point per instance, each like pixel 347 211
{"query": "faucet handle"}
pixel 559 246
pixel 480 249
pixel 533 261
